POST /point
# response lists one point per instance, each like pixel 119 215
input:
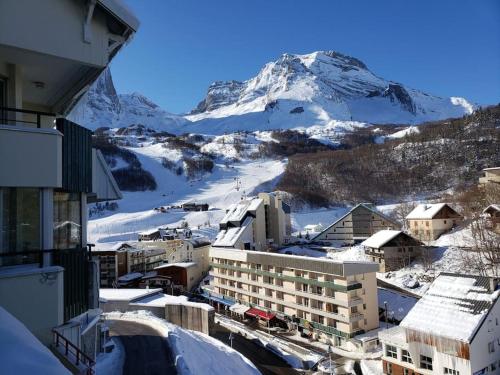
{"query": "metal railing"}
pixel 37 115
pixel 73 353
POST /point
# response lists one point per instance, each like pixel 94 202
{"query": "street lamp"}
pixel 330 359
pixel 231 338
pixel 386 321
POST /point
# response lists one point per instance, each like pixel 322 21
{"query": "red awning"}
pixel 260 314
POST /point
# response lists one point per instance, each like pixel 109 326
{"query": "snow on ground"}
pixel 22 352
pixel 218 189
pixel 355 253
pixel 371 367
pixel 111 363
pixel 323 216
pixel 196 353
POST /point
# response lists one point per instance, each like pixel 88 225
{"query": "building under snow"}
pixel 392 249
pixel 453 329
pixel 357 225
pixel 428 221
pixel 255 224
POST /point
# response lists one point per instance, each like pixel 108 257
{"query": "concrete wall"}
pixel 35 297
pixel 30 157
pixel 190 317
pixel 480 357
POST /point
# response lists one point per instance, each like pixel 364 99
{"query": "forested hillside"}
pixel 443 155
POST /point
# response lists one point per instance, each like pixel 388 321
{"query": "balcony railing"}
pixel 9 116
pixel 76 264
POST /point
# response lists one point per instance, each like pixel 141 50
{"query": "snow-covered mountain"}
pixel 325 91
pixel 316 89
pixel 103 107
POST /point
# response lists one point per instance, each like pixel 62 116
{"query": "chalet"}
pixel 357 225
pixel 428 221
pixel 491 176
pixel 493 217
pixel 453 329
pixel 392 249
pixel 195 207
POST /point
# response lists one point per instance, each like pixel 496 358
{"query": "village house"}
pixel 355 226
pixel 328 300
pixel 493 217
pixel 453 329
pixel 428 221
pixel 491 176
pixel 392 249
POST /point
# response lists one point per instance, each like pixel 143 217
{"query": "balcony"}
pixel 54 281
pixel 30 149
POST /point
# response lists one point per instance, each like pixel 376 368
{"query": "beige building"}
pixel 50 53
pixel 491 176
pixel 355 226
pixel 492 213
pixel 331 300
pixel 428 221
pixel 255 224
pixel 392 249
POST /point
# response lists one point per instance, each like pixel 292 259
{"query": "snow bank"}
pixel 22 353
pixel 196 353
pixel 111 363
pixel 371 367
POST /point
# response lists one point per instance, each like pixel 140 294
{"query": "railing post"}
pixel 38 122
pixel 66 345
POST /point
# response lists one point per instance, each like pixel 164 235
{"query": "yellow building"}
pixel 332 300
pixel 428 221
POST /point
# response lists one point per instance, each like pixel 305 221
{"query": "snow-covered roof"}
pixel 161 300
pixel 380 238
pixel 22 353
pixel 125 294
pixel 492 207
pixel 180 264
pixel 368 206
pixel 453 307
pixel 229 236
pixel 426 210
pixel 491 169
pixel 236 212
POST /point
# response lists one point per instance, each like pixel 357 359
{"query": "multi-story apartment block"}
pixel 355 226
pixel 332 300
pixel 50 53
pixel 255 224
pixel 392 249
pixel 428 221
pixel 453 329
pixel 113 263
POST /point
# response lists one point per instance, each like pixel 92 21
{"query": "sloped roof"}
pixel 236 212
pixel 453 307
pixel 229 236
pixel 492 207
pixel 427 210
pixel 364 205
pixel 380 238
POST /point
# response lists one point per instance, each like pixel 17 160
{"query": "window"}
pixel 447 370
pixel 491 347
pixel 391 351
pixel 445 221
pixel 405 356
pixel 389 368
pixel 67 220
pixel 425 362
pixel 20 229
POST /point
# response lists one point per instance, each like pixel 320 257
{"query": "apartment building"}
pixel 255 224
pixel 428 221
pixel 355 226
pixel 113 263
pixel 453 329
pixel 331 300
pixel 392 249
pixel 50 53
pixel 491 176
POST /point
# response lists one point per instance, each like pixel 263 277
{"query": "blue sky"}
pixel 446 48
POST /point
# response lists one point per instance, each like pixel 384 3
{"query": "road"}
pixel 267 362
pixel 146 352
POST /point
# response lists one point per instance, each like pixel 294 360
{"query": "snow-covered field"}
pixel 195 352
pixel 219 189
